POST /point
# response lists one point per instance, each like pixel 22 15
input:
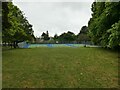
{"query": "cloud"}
pixel 56 17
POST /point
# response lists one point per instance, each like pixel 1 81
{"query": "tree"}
pixel 67 37
pixel 114 37
pixel 105 23
pixel 18 28
pixel 84 30
pixel 55 37
pixel 5 22
pixel 82 35
pixel 45 36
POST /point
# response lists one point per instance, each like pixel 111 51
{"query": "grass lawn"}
pixel 59 67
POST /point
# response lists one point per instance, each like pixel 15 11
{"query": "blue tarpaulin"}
pixel 23 45
pixel 49 45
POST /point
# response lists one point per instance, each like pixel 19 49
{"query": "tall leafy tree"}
pixel 45 36
pixel 67 37
pixel 19 28
pixel 82 35
pixel 5 22
pixel 105 18
pixel 55 37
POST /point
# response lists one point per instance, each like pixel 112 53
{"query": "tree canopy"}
pixel 83 35
pixel 45 36
pixel 67 37
pixel 15 25
pixel 104 26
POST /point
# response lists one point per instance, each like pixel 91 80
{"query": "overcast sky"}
pixel 56 17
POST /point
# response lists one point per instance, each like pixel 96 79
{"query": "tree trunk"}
pixel 85 44
pixel 14 44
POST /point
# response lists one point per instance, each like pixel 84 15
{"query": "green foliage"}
pixel 67 37
pixel 103 24
pixel 114 37
pixel 55 37
pixel 82 36
pixel 5 11
pixel 45 36
pixel 19 28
